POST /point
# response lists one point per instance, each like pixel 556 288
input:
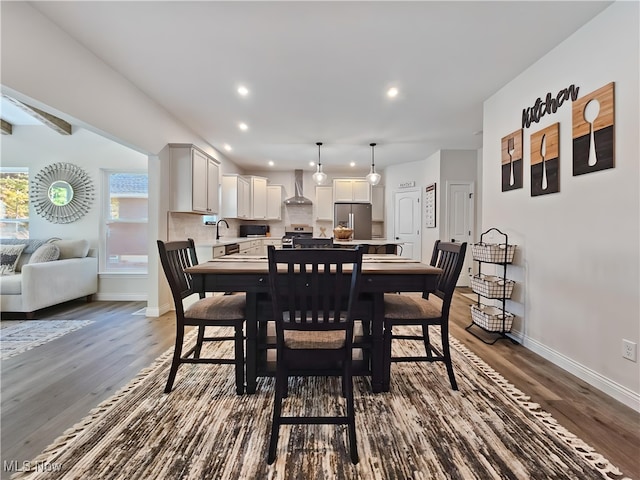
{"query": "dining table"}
pixel 381 274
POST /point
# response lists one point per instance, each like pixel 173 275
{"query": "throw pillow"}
pixel 9 256
pixel 45 253
pixel 72 248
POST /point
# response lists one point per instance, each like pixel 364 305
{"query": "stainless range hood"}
pixel 298 198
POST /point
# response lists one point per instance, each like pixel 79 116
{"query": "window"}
pixel 126 213
pixel 14 202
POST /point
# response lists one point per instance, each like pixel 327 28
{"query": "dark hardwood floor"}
pixel 51 387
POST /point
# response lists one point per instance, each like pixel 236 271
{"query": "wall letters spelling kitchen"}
pixel 550 105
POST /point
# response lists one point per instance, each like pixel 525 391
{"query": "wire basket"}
pixel 490 286
pixel 490 318
pixel 493 252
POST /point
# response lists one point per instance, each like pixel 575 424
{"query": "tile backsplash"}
pixel 187 225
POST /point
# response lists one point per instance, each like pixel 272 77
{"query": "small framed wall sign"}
pixel 545 161
pixel 593 129
pixel 430 206
pixel 512 161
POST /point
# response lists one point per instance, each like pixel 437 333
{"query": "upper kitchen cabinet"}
pixel 194 180
pixel 258 187
pixel 236 197
pixel 377 203
pixel 351 190
pixel 274 202
pixel 324 203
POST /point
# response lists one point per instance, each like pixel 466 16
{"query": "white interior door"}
pixel 407 223
pixel 460 208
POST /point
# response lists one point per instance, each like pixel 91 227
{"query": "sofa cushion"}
pixel 11 284
pixel 9 256
pixel 45 253
pixel 72 248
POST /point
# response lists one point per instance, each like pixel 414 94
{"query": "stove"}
pixel 296 230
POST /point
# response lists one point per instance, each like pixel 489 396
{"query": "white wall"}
pixel 578 250
pixel 51 71
pixel 439 168
pixel 38 146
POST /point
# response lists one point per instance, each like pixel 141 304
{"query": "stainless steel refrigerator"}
pixel 356 216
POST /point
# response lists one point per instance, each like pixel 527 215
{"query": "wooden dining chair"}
pixel 411 310
pixel 216 311
pixel 313 297
pixel 307 242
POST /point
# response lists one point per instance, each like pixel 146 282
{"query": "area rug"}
pixel 421 429
pixel 18 336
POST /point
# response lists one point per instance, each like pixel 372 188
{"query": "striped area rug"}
pixel 19 336
pixel 421 429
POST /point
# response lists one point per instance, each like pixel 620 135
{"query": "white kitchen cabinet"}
pixel 276 242
pixel 258 187
pixel 218 251
pixel 324 203
pixel 351 190
pixel 251 247
pixel 377 203
pixel 236 197
pixel 274 202
pixel 194 180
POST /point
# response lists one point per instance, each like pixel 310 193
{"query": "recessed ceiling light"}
pixel 271 163
pixel 227 147
pixel 353 164
pixel 312 164
pixel 243 126
pixel 242 90
pixel 392 92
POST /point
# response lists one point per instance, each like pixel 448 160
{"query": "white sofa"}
pixel 40 285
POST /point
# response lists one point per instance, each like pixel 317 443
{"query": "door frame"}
pixel 467 268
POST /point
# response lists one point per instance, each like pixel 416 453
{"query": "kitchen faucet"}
pixel 218 227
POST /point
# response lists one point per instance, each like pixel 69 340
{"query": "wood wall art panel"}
pixel 512 161
pixel 545 161
pixel 593 119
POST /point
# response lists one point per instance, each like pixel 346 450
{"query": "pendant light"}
pixel 372 177
pixel 319 177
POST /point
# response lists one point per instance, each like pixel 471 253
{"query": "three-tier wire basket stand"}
pixel 494 320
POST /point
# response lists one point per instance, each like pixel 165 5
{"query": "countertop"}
pixel 373 241
pixel 230 240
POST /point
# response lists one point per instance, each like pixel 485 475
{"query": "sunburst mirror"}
pixel 62 192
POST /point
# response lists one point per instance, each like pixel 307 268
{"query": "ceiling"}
pixel 319 71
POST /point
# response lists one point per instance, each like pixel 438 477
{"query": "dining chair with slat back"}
pixel 313 297
pixel 307 242
pixel 402 309
pixel 215 311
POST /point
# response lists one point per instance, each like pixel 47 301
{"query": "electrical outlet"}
pixel 629 350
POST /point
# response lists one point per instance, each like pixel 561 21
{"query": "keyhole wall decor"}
pixel 545 161
pixel 512 161
pixel 593 131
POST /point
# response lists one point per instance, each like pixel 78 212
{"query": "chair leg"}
pixel 386 356
pixel 177 353
pixel 446 353
pixel 427 342
pixel 199 341
pixel 239 357
pixel 351 414
pixel 281 381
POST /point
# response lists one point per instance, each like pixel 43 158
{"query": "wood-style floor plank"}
pixel 51 387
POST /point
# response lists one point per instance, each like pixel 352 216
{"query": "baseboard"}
pixel 121 297
pixel 619 392
pixel 158 311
